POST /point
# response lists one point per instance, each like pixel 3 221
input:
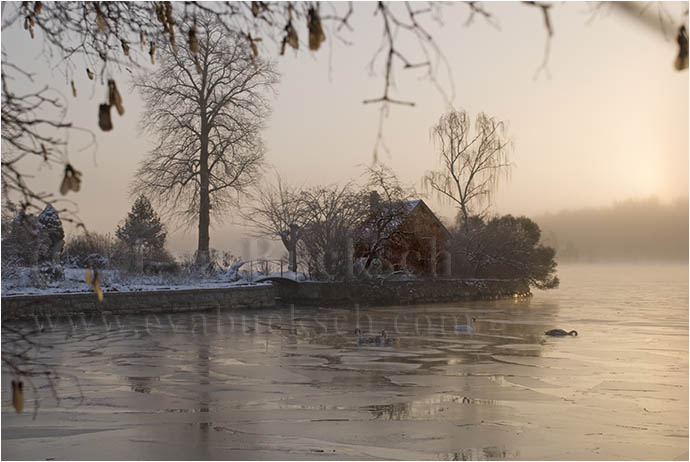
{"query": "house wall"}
pixel 413 251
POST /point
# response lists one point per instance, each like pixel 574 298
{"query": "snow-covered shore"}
pixel 112 281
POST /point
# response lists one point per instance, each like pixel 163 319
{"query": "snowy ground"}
pixel 22 282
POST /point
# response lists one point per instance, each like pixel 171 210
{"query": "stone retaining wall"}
pixel 396 292
pixel 138 302
pixel 366 293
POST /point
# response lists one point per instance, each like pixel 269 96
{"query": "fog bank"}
pixel 632 230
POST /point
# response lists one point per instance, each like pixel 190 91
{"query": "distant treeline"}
pixel 632 230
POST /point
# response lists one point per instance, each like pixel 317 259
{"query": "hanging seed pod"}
pixel 252 45
pixel 74 89
pixel 681 61
pixel 18 396
pixel 64 185
pixel 172 41
pixel 160 14
pixel 169 14
pixel 142 39
pixel 31 21
pixel 100 21
pixel 75 182
pixel 197 64
pixel 125 47
pixel 71 181
pixel 282 46
pixel 316 35
pixel 114 97
pixel 44 151
pixel 90 74
pixel 93 278
pixel 152 52
pixel 37 8
pixel 255 9
pixel 31 31
pixel 193 42
pixel 291 35
pixel 26 23
pixel 97 286
pixel 104 120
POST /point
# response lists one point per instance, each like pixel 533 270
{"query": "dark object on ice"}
pixel 382 339
pixel 560 333
pixel 469 327
pixel 385 340
pixel 365 339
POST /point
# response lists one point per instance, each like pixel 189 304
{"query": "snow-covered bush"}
pixel 161 267
pixel 233 272
pixel 89 249
pixel 51 272
pixel 11 267
pixel 504 247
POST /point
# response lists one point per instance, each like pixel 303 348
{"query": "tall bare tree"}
pixel 471 160
pixel 105 38
pixel 206 103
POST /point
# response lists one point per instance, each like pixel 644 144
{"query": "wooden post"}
pixel 292 251
pixel 446 264
pixel 139 256
pixel 432 257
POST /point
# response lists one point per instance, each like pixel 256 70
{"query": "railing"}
pixel 264 268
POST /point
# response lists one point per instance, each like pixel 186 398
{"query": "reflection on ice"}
pixel 487 453
pixel 278 384
pixel 429 406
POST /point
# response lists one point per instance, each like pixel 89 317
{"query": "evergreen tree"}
pixel 20 245
pixel 52 236
pixel 143 224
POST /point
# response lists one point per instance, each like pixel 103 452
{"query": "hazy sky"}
pixel 611 121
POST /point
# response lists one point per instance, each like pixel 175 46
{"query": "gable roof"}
pixel 419 203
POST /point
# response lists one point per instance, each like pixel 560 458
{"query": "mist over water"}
pixel 276 383
pixel 635 230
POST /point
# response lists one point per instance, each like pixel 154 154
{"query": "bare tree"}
pixel 208 124
pixel 471 160
pixel 103 38
pixel 388 206
pixel 371 216
pixel 333 214
pixel 281 212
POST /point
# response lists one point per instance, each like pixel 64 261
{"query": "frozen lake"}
pixel 275 384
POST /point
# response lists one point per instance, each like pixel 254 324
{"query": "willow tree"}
pixel 472 160
pixel 205 104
